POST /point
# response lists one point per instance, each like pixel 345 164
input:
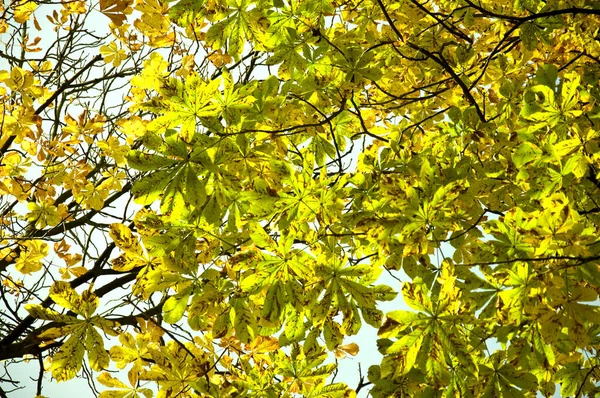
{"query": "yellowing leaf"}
pixel 94 345
pixel 112 54
pixel 89 302
pixel 525 153
pixel 40 312
pixel 23 10
pixel 110 381
pixel 30 259
pixel 43 214
pixel 68 359
pixel 64 295
pixel 57 332
pixel 175 307
pixel 124 239
pixel 564 148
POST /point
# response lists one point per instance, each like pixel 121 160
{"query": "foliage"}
pixel 220 185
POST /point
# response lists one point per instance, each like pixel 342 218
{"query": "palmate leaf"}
pixel 184 12
pixel 82 333
pixel 572 378
pixel 428 339
pixel 148 161
pixel 275 302
pixel 503 379
pixel 294 324
pixel 23 10
pixel 183 109
pixel 238 24
pixel 64 295
pixel 525 154
pixel 124 239
pixel 243 320
pixel 176 368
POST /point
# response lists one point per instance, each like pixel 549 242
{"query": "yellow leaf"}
pixel 23 10
pixel 67 361
pixel 124 239
pixel 94 345
pixel 133 127
pixel 14 165
pixel 39 312
pixel 30 259
pixel 116 10
pixel 564 148
pixel 89 302
pixel 69 272
pixel 115 394
pixel 64 295
pixel 73 7
pixel 112 54
pixel 14 287
pixel 109 381
pixel 54 333
pixel 155 69
pixel 43 214
pixel 19 79
pixel 109 327
pixel 124 263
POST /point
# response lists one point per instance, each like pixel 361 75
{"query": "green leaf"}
pixel 148 162
pixel 566 147
pixel 332 334
pixel 149 188
pixel 175 306
pixel 547 75
pixel 528 32
pixel 525 153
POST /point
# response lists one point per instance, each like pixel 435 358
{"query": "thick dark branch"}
pixel 286 130
pixel 456 32
pixel 444 64
pixel 581 260
pixel 553 13
pixel 437 59
pixel 389 20
pixel 26 323
pixel 131 319
pixel 31 344
pixel 487 13
pixel 61 228
pixel 116 283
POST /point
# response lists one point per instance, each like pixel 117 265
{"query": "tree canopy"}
pixel 204 194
